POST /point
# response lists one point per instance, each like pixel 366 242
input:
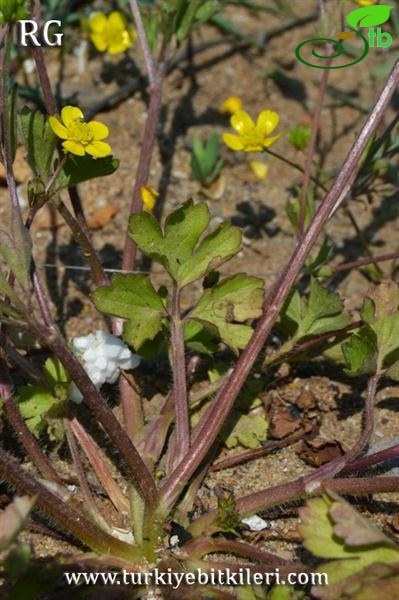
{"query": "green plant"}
pixel 229 312
pixel 206 163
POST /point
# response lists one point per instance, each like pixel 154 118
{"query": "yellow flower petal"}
pixel 69 114
pixel 118 47
pixel 365 2
pixel 98 22
pixel 98 149
pixel 73 147
pixel 259 169
pixel 270 141
pixel 253 147
pixel 148 197
pixel 231 105
pixel 242 122
pixel 99 40
pixel 116 21
pixel 233 141
pixel 58 128
pixel 98 130
pixel 267 121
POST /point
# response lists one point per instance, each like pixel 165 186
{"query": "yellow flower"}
pixel 149 197
pixel 259 169
pixel 80 137
pixel 252 137
pixel 231 105
pixel 365 2
pixel 110 33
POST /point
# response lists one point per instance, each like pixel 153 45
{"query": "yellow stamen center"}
pixel 80 132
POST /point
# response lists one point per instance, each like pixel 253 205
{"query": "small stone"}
pixel 255 523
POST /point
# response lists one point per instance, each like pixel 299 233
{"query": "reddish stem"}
pixel 99 465
pixel 74 522
pixel 37 53
pixel 312 149
pixel 143 169
pixel 181 441
pixel 361 262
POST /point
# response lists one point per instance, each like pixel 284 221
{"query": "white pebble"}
pixel 255 523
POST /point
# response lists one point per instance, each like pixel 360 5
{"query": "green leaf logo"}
pixel 369 16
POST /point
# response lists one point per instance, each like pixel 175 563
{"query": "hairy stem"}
pixel 296 490
pixel 92 507
pixel 99 466
pixel 148 58
pixel 182 425
pixel 74 522
pixel 143 169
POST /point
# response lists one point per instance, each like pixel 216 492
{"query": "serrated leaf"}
pixel 82 168
pixel 326 529
pixel 233 300
pixel 176 246
pixel 369 16
pixel 132 297
pixel 13 519
pixel 322 312
pixel 39 141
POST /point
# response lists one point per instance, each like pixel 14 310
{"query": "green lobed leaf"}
pixel 177 247
pixel 233 300
pixel 82 168
pixel 132 297
pixel 39 141
pixel 328 530
pixel 320 313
